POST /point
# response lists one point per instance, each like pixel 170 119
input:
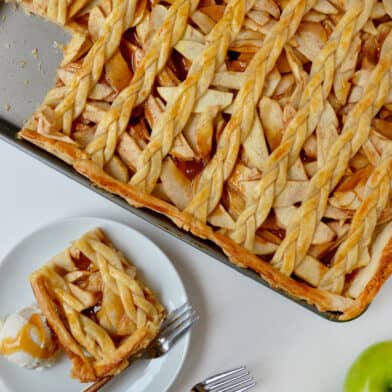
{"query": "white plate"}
pixel 15 293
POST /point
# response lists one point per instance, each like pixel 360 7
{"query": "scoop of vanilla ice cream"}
pixel 26 340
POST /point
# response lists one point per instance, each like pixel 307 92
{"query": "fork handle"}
pixel 98 384
pixel 197 388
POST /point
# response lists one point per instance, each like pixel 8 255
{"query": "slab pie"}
pixel 263 126
pixel 99 309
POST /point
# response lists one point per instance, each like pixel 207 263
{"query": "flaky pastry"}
pixel 263 126
pixel 100 311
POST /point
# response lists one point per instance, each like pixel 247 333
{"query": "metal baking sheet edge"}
pixel 8 134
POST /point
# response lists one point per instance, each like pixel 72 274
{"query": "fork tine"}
pixel 223 383
pixel 234 380
pixel 177 323
pixel 175 314
pixel 242 388
pixel 224 375
pixel 182 328
pixel 247 387
pixel 234 385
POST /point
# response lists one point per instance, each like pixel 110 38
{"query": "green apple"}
pixel 372 370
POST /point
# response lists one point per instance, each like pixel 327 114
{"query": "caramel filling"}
pixel 23 341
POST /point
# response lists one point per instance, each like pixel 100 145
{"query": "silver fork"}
pixel 234 380
pixel 177 323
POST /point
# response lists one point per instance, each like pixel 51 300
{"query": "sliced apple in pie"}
pixel 264 126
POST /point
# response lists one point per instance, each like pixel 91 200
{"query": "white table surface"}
pixel 287 348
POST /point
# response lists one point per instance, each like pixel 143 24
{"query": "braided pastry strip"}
pixel 89 334
pixel 356 130
pixel 119 282
pixel 116 119
pixel 312 106
pixel 57 11
pixel 86 332
pixel 199 77
pixel 209 187
pixel 127 292
pixel 119 20
pixel 352 252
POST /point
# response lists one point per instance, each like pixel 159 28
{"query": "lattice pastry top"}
pixel 264 126
pixel 100 311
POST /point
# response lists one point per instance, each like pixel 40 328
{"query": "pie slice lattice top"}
pixel 100 311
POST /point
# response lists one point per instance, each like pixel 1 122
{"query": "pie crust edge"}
pixel 324 301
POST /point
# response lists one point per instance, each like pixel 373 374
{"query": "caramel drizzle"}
pixel 24 341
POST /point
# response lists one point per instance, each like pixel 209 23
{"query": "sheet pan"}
pixel 29 56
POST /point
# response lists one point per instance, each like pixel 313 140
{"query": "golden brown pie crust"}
pixel 99 342
pixel 262 126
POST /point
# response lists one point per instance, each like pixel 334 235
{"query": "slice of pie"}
pixel 100 311
pixel 264 126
